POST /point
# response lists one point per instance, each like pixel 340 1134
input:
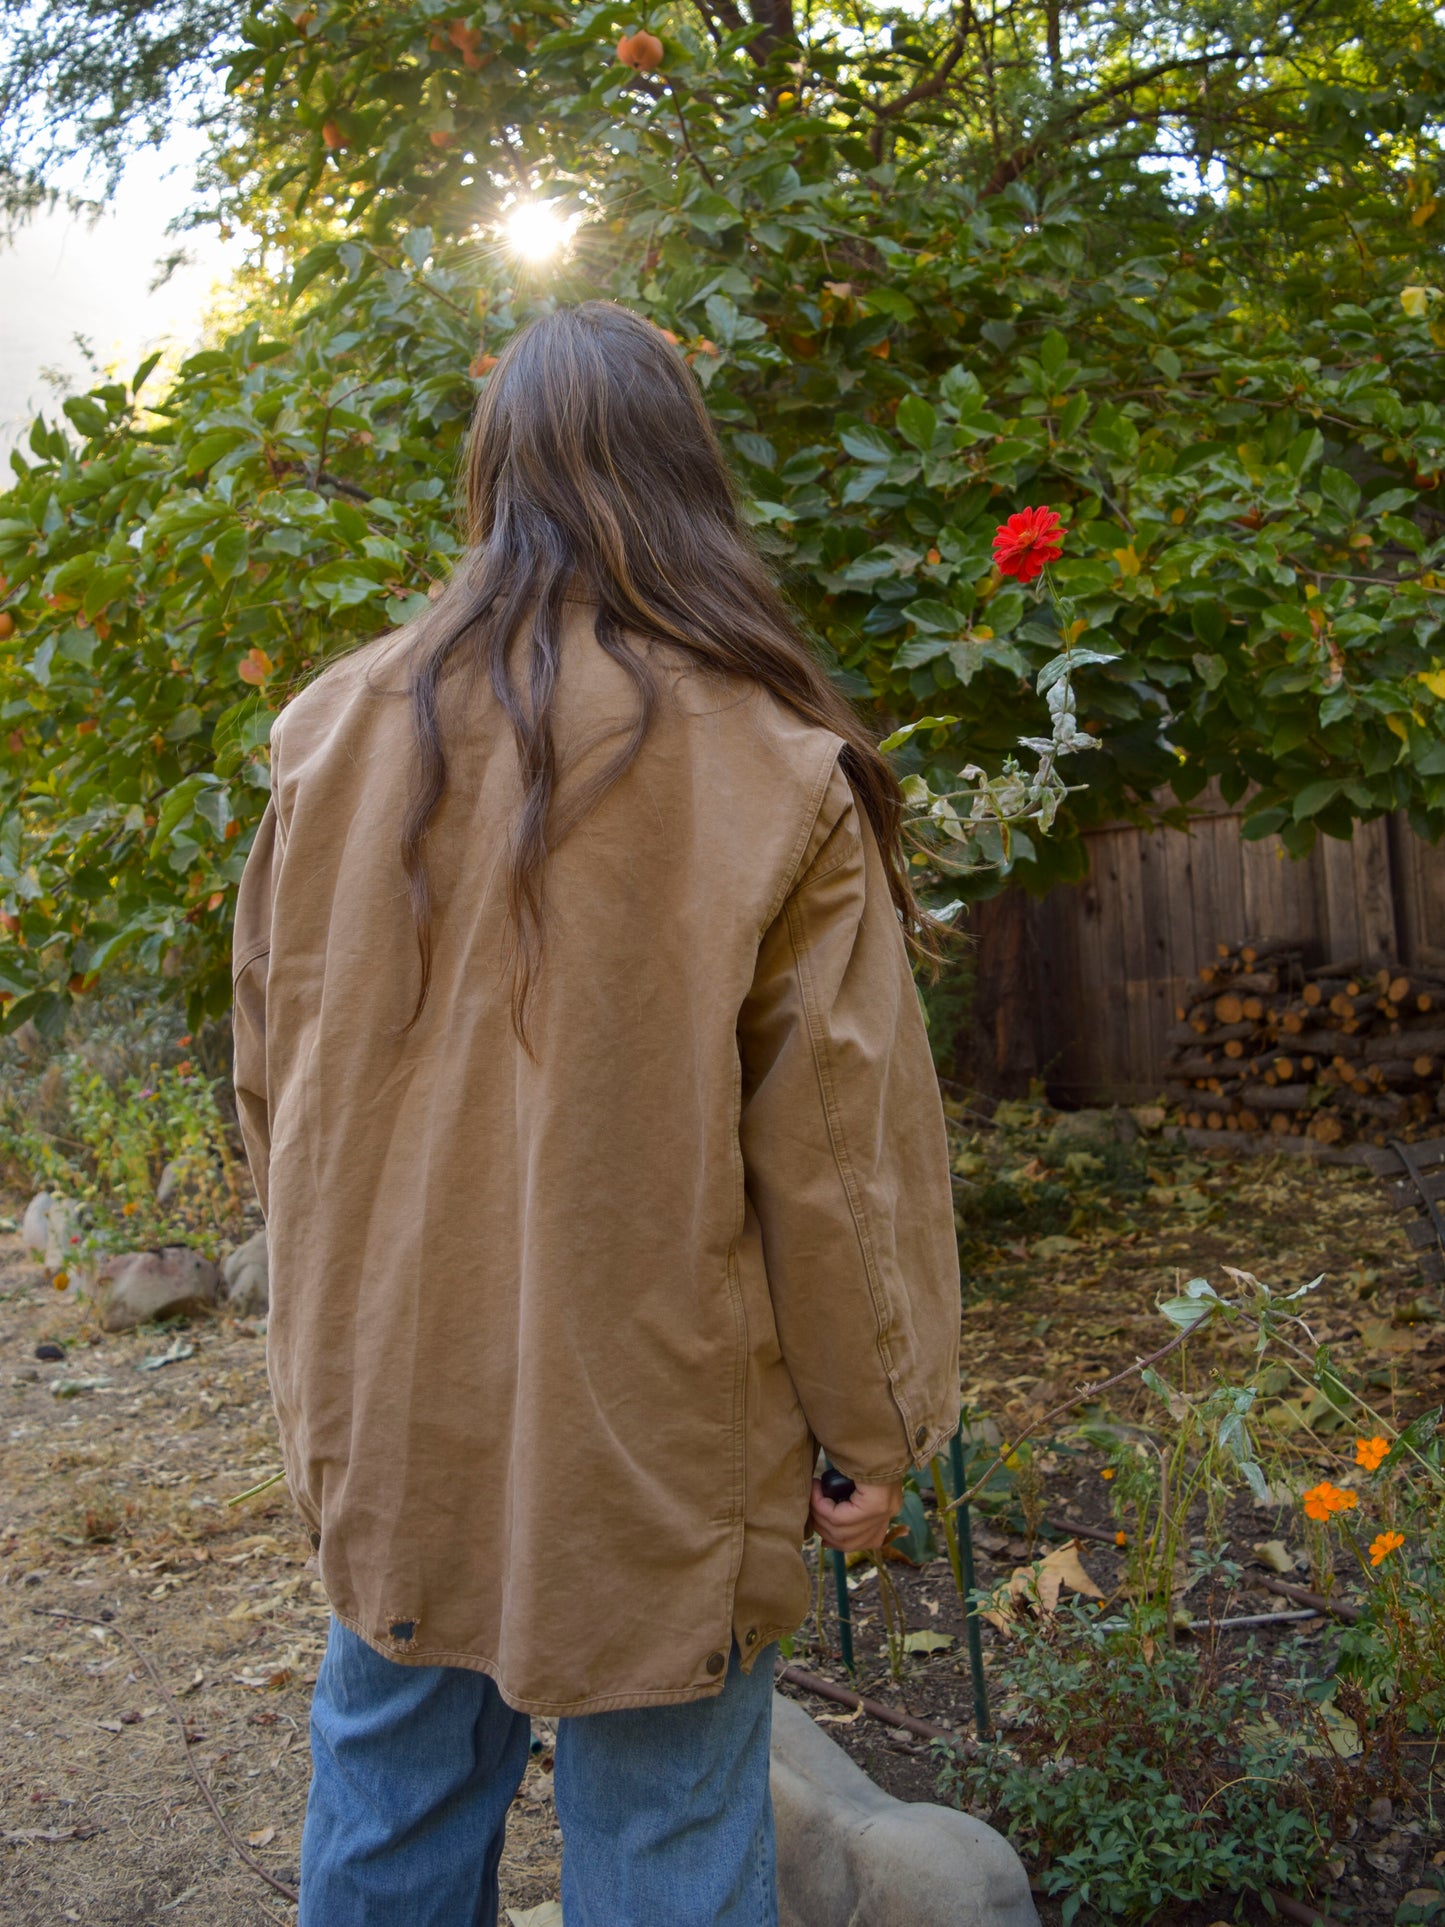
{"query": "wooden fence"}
pixel 1079 988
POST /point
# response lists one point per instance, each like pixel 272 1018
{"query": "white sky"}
pixel 65 277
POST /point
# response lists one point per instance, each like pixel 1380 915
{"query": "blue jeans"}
pixel 665 1810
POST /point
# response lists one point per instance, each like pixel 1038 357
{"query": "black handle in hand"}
pixel 838 1488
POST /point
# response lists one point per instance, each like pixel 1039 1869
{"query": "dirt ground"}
pixel 112 1500
pixel 113 1490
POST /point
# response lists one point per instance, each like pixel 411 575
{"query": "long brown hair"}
pixel 593 472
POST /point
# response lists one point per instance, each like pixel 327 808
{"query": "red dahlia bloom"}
pixel 1027 543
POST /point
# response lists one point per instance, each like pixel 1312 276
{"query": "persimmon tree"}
pixel 928 274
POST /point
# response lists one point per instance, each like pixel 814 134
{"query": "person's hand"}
pixel 859 1523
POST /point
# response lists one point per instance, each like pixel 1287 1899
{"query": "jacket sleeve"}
pixel 846 1160
pixel 250 959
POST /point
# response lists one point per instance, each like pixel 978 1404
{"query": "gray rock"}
pixel 132 1286
pixel 246 1277
pixel 851 1856
pixel 1088 1130
pixel 34 1226
pixel 168 1183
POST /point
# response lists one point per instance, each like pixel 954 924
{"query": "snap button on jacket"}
pixel 553 1343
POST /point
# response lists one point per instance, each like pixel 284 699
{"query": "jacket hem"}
pixel 767 1635
pixel 544 1707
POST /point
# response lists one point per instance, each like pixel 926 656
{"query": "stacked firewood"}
pixel 1335 1053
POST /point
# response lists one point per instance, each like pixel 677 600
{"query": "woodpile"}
pixel 1337 1053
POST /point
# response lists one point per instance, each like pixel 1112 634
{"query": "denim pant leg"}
pixel 413 1769
pixel 666 1814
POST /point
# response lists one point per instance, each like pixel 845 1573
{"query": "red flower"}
pixel 1027 543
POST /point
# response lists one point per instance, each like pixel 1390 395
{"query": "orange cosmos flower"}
pixel 1384 1544
pixel 1371 1453
pixel 1324 1499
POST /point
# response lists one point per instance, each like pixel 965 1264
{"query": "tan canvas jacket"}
pixel 553 1344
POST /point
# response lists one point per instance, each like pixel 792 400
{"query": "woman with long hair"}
pixel 588 1098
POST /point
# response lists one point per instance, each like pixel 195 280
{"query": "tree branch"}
pixel 1012 165
pixel 936 82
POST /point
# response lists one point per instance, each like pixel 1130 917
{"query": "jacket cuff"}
pixel 935 1440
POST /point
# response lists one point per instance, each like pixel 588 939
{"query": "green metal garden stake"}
pixel 838 1487
pixel 970 1611
pixel 845 1607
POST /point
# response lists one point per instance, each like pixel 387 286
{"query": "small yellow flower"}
pixel 129 1210
pixel 1371 1453
pixel 61 1280
pixel 1384 1544
pixel 1107 1473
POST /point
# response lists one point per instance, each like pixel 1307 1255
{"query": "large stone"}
pixel 849 1855
pixel 1088 1130
pixel 133 1286
pixel 246 1278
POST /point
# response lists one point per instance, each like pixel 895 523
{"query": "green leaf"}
pixel 88 416
pixel 104 586
pixel 174 809
pixel 1415 1437
pixel 1313 797
pixel 925 649
pixel 210 448
pixel 230 555
pixel 915 1542
pixel 962 391
pixel 867 444
pixel 1053 353
pixel 910 730
pixel 928 613
pixel 319 260
pixel 917 422
pixel 1186 1313
pixel 1071 420
pixel 344 585
pixel 1304 451
pixel 890 301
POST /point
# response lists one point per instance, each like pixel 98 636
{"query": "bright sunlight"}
pixel 536 231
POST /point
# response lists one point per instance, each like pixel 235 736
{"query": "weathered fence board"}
pixel 1080 989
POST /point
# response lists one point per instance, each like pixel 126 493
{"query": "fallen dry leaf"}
pixel 1040 1584
pixel 927 1642
pixel 1274 1554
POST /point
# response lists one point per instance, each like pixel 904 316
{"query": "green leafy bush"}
pixel 900 344
pixel 1132 1783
